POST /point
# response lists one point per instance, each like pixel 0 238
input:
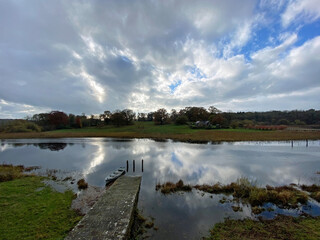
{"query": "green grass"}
pixel 31 210
pixel 281 228
pixel 170 131
pixel 150 127
pixel 137 127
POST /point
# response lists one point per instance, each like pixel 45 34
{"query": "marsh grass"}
pixel 140 226
pixel 82 184
pixel 280 228
pixel 9 172
pixel 246 191
pixel 170 187
pixel 257 210
pixel 314 191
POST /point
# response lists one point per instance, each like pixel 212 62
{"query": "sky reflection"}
pixel 273 163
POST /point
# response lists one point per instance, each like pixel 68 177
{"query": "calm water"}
pixel 186 215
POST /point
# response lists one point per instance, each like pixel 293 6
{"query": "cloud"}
pixel 93 56
pixel 12 110
pixel 301 10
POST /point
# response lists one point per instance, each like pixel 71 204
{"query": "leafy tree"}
pixel 106 117
pixel 213 110
pixel 142 116
pixel 174 115
pixel 218 120
pixel 150 116
pixel 161 116
pixel 78 122
pixel 299 122
pixel 42 119
pixel 58 119
pixel 93 121
pixel 118 118
pixel 234 124
pixel 196 113
pixel 181 120
pixel 72 120
pixel 283 122
pixel 129 116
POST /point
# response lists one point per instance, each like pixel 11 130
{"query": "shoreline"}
pixel 196 137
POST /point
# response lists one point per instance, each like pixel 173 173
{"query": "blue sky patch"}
pixel 173 86
pixel 175 160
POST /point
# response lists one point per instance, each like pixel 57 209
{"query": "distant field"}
pixel 171 131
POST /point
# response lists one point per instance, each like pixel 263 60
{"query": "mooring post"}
pixel 127 166
pixel 306 142
pixel 134 166
pixel 142 165
pixel 292 144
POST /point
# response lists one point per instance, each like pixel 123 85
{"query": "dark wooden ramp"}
pixel 111 217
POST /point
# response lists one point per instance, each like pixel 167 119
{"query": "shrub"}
pixel 258 196
pixel 9 172
pixel 82 184
pixel 316 196
pixel 21 126
pixel 181 120
pixel 170 187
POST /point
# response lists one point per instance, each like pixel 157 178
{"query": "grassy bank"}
pixel 31 210
pixel 170 131
pixel 282 227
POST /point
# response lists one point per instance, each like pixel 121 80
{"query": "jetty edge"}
pixel 111 217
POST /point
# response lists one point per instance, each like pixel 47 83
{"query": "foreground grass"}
pixel 170 131
pixel 31 210
pixel 282 227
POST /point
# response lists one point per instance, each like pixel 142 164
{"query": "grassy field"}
pixel 171 131
pixel 281 228
pixel 31 210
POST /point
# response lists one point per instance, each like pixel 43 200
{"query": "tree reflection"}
pixel 51 146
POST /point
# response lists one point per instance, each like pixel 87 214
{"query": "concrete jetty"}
pixel 112 215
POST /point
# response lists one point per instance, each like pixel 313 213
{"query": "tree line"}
pixel 193 116
pixel 187 115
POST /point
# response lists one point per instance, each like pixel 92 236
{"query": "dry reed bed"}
pixel 197 136
pixel 247 192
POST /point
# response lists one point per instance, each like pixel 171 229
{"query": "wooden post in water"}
pixel 134 166
pixel 306 142
pixel 292 144
pixel 127 166
pixel 142 165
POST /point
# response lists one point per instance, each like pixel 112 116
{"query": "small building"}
pixel 202 124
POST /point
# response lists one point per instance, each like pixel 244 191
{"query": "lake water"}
pixel 182 215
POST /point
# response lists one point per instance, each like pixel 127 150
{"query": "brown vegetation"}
pixel 170 187
pixel 82 184
pixel 9 172
pixel 314 190
pixel 196 136
pixel 257 210
pixel 244 190
pixel 281 228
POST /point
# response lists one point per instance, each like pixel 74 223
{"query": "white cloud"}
pixel 12 110
pixel 93 56
pixel 301 10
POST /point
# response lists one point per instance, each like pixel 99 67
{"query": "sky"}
pixel 91 56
